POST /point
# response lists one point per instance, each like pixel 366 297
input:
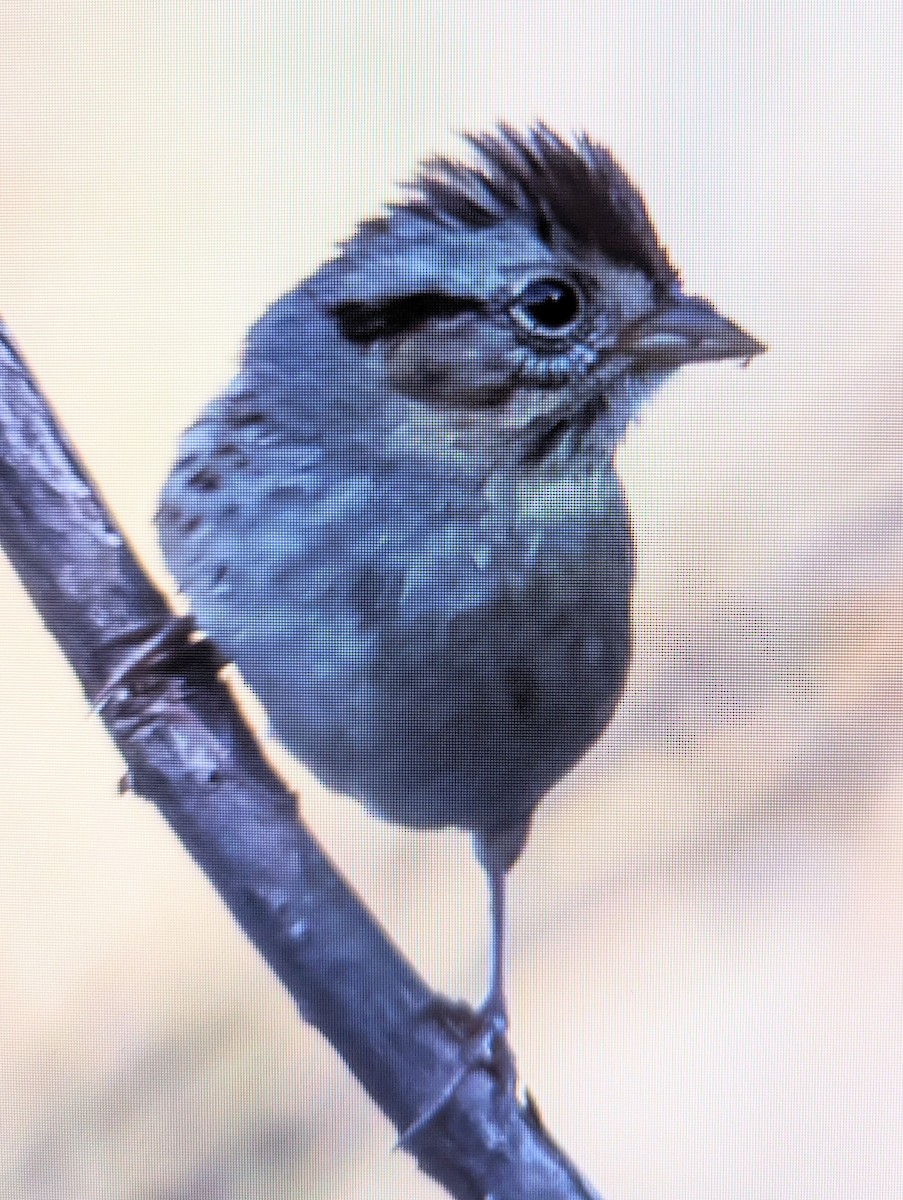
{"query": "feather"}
pixel 577 186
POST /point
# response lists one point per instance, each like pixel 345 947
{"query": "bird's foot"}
pixel 172 634
pixel 484 1045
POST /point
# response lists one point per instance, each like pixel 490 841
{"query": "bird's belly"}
pixel 442 671
pixel 455 692
pixel 500 707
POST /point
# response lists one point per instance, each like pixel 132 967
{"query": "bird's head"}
pixel 525 292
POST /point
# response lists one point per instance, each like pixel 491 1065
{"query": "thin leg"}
pixel 483 1032
pixel 495 1005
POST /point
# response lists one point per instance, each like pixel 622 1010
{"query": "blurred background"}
pixel 706 933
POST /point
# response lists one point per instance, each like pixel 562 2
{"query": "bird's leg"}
pixel 492 1016
pixel 482 1031
pixel 494 1008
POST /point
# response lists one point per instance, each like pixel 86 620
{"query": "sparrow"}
pixel 403 521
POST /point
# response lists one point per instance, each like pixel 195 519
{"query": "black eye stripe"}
pixel 370 322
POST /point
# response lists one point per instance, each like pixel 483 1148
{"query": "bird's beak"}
pixel 686 330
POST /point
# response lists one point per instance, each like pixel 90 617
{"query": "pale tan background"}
pixel 707 926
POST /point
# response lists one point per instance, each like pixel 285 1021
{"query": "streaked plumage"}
pixel 403 522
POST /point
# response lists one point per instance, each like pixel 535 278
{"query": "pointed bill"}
pixel 687 330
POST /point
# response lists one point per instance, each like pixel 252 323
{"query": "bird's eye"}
pixel 548 305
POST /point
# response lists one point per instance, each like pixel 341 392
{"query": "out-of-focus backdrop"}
pixel 707 925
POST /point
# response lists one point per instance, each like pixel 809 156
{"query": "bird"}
pixel 403 521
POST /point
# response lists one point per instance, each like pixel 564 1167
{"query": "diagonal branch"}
pixel 189 752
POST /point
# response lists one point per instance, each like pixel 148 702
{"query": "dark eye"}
pixel 548 305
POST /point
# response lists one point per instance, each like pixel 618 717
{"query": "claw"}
pixel 173 630
pixel 484 1045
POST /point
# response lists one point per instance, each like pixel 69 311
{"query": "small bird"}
pixel 402 520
